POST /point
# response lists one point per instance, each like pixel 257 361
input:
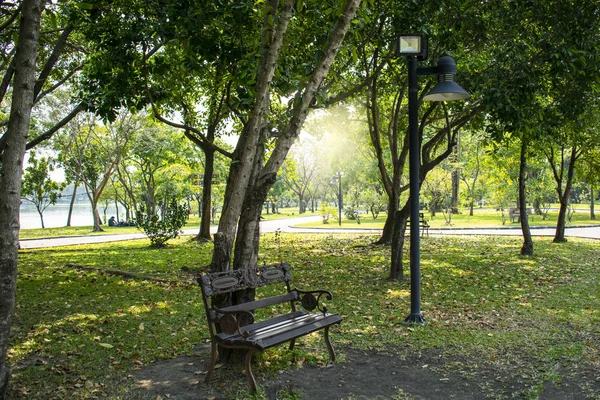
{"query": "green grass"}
pixel 482 218
pixel 78 334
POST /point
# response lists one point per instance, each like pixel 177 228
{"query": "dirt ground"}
pixel 362 375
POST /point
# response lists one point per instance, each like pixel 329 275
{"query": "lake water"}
pixel 55 216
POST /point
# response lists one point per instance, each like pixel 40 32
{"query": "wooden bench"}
pixel 235 327
pixel 515 213
pixel 423 224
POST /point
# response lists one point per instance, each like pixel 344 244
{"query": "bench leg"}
pixel 329 346
pixel 292 343
pixel 213 360
pixel 248 366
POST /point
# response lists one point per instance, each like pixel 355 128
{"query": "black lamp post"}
pixel 414 48
pixel 338 177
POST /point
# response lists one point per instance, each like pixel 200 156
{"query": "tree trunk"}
pixel 527 248
pixel 41 213
pixel 470 208
pixel 301 204
pixel 243 157
pixel 559 236
pixel 72 203
pixel 117 210
pixel 11 158
pixel 592 194
pixel 388 227
pixel 537 208
pixel 401 219
pixel 455 191
pixel 248 235
pixel 204 233
pixel 96 214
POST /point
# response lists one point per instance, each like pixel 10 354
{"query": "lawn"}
pixel 80 334
pixel 481 218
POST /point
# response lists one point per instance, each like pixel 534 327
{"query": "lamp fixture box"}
pixel 412 45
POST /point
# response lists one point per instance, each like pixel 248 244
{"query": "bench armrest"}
pixel 310 302
pixel 231 321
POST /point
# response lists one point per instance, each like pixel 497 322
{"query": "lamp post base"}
pixel 415 319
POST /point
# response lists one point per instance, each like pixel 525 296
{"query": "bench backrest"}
pixel 245 278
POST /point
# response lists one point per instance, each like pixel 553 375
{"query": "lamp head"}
pixel 446 89
pixel 412 45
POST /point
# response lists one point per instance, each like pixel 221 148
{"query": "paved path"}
pixel 287 225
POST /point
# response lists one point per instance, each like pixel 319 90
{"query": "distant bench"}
pixel 515 213
pixel 423 225
pixel 234 326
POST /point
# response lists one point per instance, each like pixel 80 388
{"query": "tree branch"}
pixel 235 111
pixel 48 134
pixel 57 84
pixel 8 75
pixel 184 126
pixel 351 92
pixel 8 59
pixel 11 19
pixel 51 61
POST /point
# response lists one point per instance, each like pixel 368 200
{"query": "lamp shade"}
pixel 446 89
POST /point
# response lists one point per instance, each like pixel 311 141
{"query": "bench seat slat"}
pixel 274 330
pixel 298 331
pixel 265 324
pixel 278 330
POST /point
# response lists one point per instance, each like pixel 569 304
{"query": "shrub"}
pixel 327 213
pixel 159 231
pixel 352 214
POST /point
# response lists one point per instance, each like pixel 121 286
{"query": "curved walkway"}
pixel 287 225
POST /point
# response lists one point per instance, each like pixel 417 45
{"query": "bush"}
pixel 327 213
pixel 352 214
pixel 159 231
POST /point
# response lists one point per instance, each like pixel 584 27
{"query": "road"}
pixel 287 225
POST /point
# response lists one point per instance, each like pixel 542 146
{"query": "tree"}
pixel 563 152
pixel 12 150
pixel 542 76
pixel 298 171
pixel 500 172
pixel 540 188
pixel 22 48
pixel 38 186
pixel 384 81
pixel 183 68
pixel 590 174
pixel 249 179
pixel 472 147
pixel 91 153
pixel 153 150
pixel 245 67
